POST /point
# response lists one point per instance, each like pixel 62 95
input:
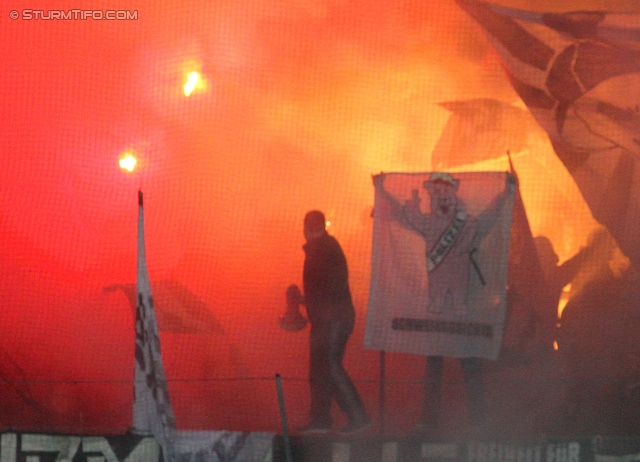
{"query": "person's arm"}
pixel 488 218
pixel 568 270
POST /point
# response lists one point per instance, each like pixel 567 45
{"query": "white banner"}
pixel 152 411
pixel 189 446
pixel 439 263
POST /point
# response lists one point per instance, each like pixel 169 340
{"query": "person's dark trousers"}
pixel 476 407
pixel 327 376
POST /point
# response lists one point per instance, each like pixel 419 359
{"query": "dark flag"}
pixel 532 314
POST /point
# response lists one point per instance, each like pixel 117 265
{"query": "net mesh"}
pixel 296 105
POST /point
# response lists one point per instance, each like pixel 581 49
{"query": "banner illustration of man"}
pixel 439 277
pixel 454 305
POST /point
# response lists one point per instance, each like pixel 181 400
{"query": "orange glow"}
pixel 127 162
pixel 309 99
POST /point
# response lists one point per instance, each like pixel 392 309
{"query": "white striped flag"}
pixel 579 74
pixel 152 412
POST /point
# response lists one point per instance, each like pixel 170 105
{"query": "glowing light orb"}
pixel 127 162
pixel 192 81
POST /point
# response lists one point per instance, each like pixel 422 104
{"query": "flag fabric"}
pixel 152 412
pixel 532 313
pixel 177 309
pixel 480 129
pixel 439 263
pixel 579 75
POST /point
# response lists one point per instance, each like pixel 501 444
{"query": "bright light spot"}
pixel 192 81
pixel 564 299
pixel 127 162
pixel 555 345
pixel 328 223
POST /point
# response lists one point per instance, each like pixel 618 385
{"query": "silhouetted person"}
pixel 557 276
pixel 332 316
pixel 598 340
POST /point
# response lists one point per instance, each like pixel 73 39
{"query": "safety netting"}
pixel 241 117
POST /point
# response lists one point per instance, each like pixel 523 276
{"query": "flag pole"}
pixel 283 418
pixel 382 398
pixel 152 411
pixel 512 169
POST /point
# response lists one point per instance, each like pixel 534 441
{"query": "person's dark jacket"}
pixel 326 280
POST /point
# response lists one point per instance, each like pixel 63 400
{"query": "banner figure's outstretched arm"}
pixel 408 215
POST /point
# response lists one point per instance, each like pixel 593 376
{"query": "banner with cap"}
pixel 439 263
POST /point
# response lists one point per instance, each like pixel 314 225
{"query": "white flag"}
pixel 439 263
pixel 152 412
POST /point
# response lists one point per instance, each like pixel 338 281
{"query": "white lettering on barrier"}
pixel 8 447
pixel 439 451
pixel 341 452
pixel 147 449
pixel 66 448
pixel 563 452
pixel 494 452
pixel 390 452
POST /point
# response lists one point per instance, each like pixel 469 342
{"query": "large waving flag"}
pixel 579 74
pixel 439 271
pixel 152 411
pixel 480 129
pixel 177 309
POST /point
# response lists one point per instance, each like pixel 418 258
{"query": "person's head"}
pixel 314 225
pixel 546 254
pixel 442 188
